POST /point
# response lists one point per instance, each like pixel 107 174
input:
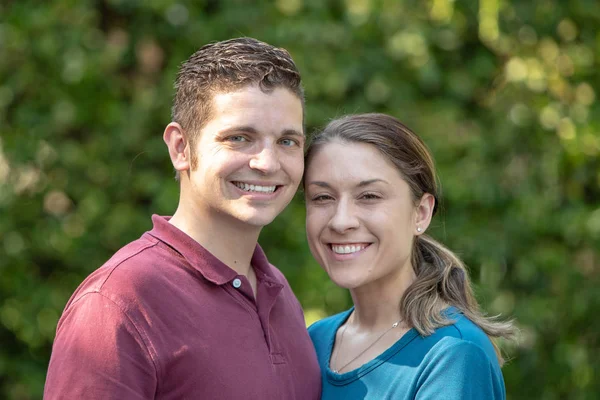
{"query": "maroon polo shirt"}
pixel 165 319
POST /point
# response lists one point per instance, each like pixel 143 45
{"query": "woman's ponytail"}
pixel 441 281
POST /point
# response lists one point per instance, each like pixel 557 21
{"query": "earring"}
pixel 419 229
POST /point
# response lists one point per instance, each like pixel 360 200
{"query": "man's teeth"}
pixel 255 188
pixel 346 249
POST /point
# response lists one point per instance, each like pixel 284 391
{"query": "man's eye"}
pixel 236 139
pixel 288 142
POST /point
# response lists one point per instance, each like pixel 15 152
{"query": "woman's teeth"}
pixel 346 249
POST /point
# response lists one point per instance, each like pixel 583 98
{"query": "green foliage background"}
pixel 503 91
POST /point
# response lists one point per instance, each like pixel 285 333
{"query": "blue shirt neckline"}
pixel 347 377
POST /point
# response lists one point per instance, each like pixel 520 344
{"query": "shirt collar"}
pixel 204 261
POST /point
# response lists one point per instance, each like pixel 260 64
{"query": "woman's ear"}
pixel 178 146
pixel 423 213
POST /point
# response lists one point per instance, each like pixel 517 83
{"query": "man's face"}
pixel 250 156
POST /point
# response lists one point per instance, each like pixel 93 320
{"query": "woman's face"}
pixel 360 215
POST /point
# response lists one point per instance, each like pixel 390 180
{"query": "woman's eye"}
pixel 370 196
pixel 321 197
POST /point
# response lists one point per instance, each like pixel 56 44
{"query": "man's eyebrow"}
pixel 292 132
pixel 360 184
pixel 239 129
pixel 253 130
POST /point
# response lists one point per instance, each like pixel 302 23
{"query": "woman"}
pixel 415 331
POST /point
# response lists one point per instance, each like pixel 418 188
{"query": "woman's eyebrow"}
pixel 370 181
pixel 360 184
pixel 320 183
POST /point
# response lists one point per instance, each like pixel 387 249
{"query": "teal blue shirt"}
pixel 456 362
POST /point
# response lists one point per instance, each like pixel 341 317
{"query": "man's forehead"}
pixel 245 91
pixel 251 109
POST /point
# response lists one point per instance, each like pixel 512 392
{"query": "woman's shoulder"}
pixel 328 324
pixel 463 332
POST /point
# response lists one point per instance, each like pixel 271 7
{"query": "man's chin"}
pixel 256 218
pixel 259 221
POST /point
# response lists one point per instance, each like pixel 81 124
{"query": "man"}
pixel 193 309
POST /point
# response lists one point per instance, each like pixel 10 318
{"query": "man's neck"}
pixel 231 241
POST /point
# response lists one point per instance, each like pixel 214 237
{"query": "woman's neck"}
pixel 377 305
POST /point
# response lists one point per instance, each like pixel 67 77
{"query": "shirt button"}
pixel 237 283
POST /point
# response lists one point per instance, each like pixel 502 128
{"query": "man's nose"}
pixel 265 161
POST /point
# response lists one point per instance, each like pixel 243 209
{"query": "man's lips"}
pixel 257 187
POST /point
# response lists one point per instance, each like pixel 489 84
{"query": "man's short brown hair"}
pixel 227 66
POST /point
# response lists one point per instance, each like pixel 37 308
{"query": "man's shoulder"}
pixel 134 253
pixel 277 274
pixel 131 265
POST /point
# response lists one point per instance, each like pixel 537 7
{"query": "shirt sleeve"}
pixel 461 371
pixel 99 354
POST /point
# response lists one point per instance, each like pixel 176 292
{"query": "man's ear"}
pixel 424 212
pixel 178 145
